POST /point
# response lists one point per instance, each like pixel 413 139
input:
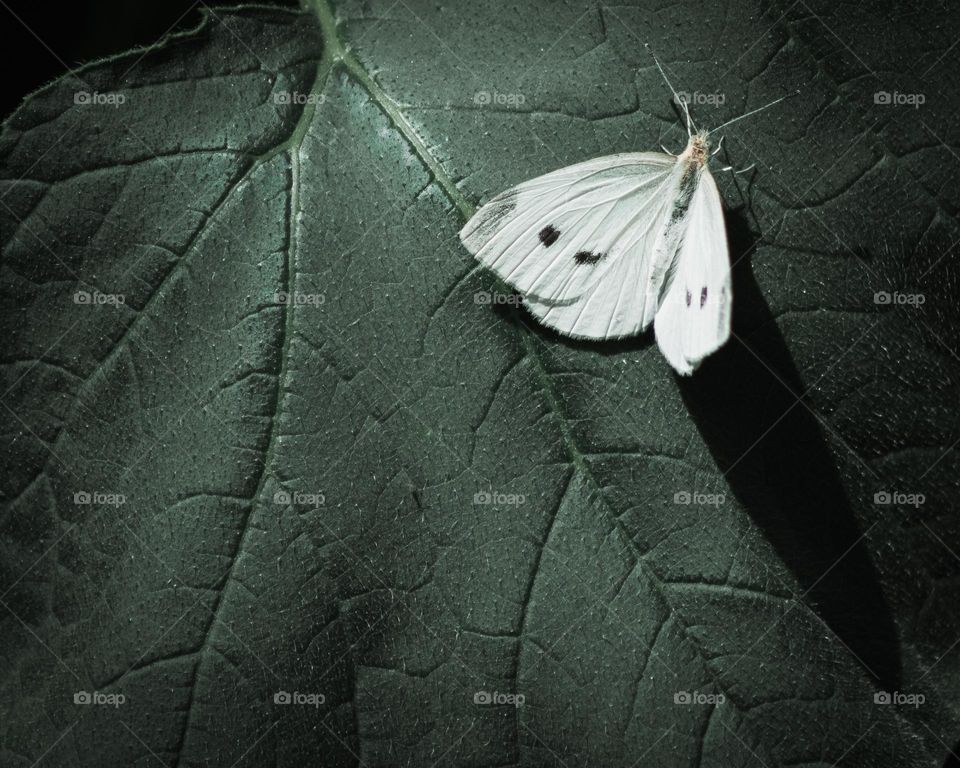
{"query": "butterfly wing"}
pixel 555 238
pixel 693 320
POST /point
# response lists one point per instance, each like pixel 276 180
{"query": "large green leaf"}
pixel 390 498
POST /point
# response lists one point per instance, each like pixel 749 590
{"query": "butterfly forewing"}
pixel 560 237
pixel 622 303
pixel 693 320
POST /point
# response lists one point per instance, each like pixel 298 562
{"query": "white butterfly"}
pixel 602 248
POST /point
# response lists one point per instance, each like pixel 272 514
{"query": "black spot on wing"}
pixel 549 235
pixel 587 257
pixel 689 297
pixel 703 296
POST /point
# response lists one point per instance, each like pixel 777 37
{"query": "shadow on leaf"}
pixel 747 402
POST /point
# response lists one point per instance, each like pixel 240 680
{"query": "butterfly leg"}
pixel 730 167
pixel 742 170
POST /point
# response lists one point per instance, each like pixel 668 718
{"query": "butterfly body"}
pixel 602 248
pixel 697 152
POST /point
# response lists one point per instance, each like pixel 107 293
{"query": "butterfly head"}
pixel 698 148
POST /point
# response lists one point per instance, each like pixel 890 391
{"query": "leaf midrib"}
pixel 293 145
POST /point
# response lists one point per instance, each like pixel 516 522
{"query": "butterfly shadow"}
pixel 772 450
pixel 748 403
pixel 518 316
pixel 953 757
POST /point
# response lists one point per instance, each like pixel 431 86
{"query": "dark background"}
pixel 42 39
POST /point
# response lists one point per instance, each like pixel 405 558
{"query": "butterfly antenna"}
pixel 758 109
pixel 686 109
pixel 676 96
